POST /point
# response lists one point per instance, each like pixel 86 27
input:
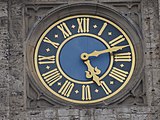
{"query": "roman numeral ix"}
pixel 46 59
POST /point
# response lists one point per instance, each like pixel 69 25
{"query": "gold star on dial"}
pixel 94 26
pixel 122 65
pixel 73 26
pixel 47 49
pixel 111 82
pixel 96 90
pixel 59 83
pixel 109 33
pixel 77 91
pixel 56 36
pixel 47 67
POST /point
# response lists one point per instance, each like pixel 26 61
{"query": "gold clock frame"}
pixel 81 34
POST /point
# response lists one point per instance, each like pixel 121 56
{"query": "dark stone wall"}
pixel 17 18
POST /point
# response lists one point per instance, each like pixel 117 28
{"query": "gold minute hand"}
pixel 85 56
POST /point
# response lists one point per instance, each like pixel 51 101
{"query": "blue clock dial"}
pixel 84 59
pixel 71 62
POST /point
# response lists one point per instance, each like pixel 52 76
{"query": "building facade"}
pixel 21 99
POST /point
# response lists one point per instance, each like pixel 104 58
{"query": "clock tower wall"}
pixel 22 99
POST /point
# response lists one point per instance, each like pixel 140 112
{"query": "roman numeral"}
pixel 83 25
pixel 52 76
pixel 102 29
pixel 118 74
pixel 117 40
pixel 105 88
pixel 46 59
pixel 64 29
pixel 86 93
pixel 47 40
pixel 126 57
pixel 66 89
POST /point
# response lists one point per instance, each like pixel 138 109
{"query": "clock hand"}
pixel 85 56
pixel 92 72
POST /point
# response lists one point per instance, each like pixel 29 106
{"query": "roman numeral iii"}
pixel 52 76
pixel 47 40
pixel 118 74
pixel 64 29
pixel 46 59
pixel 86 93
pixel 66 89
pixel 105 88
pixel 117 40
pixel 126 57
pixel 83 25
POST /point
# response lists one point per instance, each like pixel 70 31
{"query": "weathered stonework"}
pixel 4 57
pixel 17 18
pixel 35 13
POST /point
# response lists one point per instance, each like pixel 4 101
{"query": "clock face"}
pixel 84 59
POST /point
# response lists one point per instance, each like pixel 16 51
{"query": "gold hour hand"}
pixel 85 56
pixel 92 72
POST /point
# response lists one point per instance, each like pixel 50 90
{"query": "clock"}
pixel 84 58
